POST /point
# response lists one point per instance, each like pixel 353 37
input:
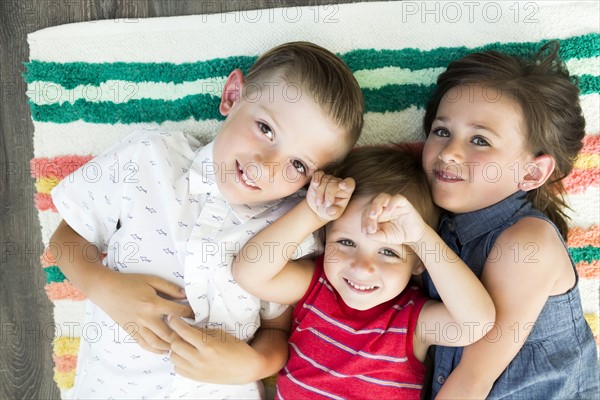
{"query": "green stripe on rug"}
pixel 584 46
pixel 587 253
pixel 200 107
pixel 54 274
pixel 205 106
pixel 70 75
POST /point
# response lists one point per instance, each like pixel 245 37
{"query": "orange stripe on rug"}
pixel 58 167
pixel 591 144
pixel 64 363
pixel 581 237
pixel 588 270
pixel 43 202
pixel 63 291
pixel 580 179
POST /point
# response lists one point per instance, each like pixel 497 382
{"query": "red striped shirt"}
pixel 338 352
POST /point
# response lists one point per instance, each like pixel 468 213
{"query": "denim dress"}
pixel 558 360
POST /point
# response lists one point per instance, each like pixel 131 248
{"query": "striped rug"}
pixel 90 84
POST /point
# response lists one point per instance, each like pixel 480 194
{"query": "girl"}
pixel 502 134
pixel 360 330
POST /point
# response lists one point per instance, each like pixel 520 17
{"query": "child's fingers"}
pixel 331 191
pixel 316 179
pixel 148 340
pixel 372 213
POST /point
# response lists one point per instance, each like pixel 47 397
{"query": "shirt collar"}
pixel 202 179
pixel 471 225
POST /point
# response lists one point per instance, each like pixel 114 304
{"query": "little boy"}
pixel 169 214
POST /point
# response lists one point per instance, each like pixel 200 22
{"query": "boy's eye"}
pixel 441 132
pixel 478 141
pixel 266 130
pixel 346 242
pixel 300 167
pixel 389 253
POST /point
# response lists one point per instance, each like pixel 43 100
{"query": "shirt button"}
pixel 441 379
pixel 451 227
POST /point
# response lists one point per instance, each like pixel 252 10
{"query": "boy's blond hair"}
pixel 320 72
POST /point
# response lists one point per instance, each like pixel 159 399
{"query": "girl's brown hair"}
pixel 549 100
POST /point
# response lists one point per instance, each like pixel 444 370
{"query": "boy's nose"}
pixel 268 162
pixel 363 264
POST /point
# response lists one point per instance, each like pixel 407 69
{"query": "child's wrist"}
pixel 312 217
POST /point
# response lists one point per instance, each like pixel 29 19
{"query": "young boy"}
pixel 170 214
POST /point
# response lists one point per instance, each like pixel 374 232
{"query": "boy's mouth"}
pixel 244 178
pixel 356 287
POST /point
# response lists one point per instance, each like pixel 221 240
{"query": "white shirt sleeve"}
pixel 89 199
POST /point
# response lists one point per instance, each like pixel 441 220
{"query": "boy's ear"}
pixel 232 91
pixel 419 268
pixel 538 172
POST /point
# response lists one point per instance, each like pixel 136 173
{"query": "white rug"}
pixel 91 83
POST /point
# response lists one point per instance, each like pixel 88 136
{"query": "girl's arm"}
pixel 263 266
pixel 467 310
pixel 530 264
pixel 143 318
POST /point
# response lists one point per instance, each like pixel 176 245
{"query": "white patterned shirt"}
pixel 151 204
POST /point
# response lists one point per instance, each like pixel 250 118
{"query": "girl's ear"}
pixel 232 91
pixel 539 170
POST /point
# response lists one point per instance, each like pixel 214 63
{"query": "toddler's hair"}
pixel 549 100
pixel 390 169
pixel 320 72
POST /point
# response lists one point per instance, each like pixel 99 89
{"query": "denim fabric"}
pixel 558 359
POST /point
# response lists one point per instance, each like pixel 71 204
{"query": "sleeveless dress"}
pixel 558 360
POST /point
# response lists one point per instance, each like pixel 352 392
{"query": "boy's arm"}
pixel 143 318
pixel 509 277
pixel 214 356
pixel 264 268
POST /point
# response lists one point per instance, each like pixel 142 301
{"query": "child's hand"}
pixel 210 355
pixel 392 219
pixel 328 196
pixel 133 301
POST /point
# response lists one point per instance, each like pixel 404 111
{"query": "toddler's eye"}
pixel 266 130
pixel 300 167
pixel 346 242
pixel 389 253
pixel 478 141
pixel 441 132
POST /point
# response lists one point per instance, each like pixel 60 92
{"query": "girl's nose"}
pixel 451 153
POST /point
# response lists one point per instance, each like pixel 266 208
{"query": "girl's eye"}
pixel 346 242
pixel 389 253
pixel 266 130
pixel 300 167
pixel 478 141
pixel 441 132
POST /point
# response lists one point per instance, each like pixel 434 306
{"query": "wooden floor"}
pixel 26 328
